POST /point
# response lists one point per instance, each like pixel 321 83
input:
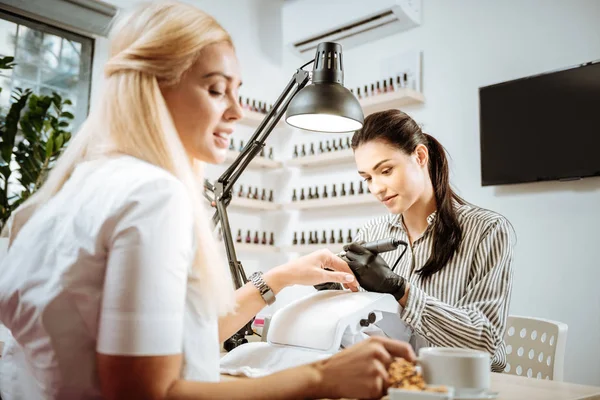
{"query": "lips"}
pixel 389 199
pixel 222 139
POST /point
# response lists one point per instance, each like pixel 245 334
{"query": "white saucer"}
pixel 478 396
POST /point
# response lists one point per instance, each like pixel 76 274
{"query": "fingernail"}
pixel 349 278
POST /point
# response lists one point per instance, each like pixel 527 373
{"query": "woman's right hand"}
pixel 360 371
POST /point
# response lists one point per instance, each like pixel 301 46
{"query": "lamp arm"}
pixel 224 186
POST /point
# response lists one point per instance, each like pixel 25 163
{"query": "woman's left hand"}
pixel 311 270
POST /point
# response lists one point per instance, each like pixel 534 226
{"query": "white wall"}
pixel 467 44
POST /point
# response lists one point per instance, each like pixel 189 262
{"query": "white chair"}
pixel 535 347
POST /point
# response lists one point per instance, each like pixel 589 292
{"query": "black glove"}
pixel 372 272
pixel 329 286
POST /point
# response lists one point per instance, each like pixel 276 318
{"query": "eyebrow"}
pixel 376 165
pixel 216 73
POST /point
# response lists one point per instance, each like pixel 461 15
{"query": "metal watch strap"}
pixel 264 289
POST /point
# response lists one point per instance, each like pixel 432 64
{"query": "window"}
pixel 47 60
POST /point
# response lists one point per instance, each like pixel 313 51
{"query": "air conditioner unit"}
pixel 306 23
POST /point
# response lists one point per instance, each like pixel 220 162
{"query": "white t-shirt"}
pixel 103 266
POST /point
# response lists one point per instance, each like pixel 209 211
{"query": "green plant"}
pixel 33 134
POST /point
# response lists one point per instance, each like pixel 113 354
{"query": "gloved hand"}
pixel 328 286
pixel 372 272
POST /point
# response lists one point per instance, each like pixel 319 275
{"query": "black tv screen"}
pixel 540 128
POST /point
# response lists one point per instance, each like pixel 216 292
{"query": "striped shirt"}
pixel 466 303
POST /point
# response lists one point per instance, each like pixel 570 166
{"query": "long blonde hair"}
pixel 152 47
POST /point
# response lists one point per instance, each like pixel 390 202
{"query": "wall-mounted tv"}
pixel 540 128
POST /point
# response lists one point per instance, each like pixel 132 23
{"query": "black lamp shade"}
pixel 326 105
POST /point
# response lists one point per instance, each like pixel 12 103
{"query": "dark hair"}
pixel 401 131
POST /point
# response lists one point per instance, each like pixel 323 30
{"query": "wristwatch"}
pixel 264 289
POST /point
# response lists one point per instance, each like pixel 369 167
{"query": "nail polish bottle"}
pixel 343 193
pixel 351 188
pixel 295 155
pixel 256 194
pixel 247 106
pixel 231 145
pixel 358 94
pixel 302 239
pixel 327 146
pixel 316 196
pixel 310 238
pixel 325 191
pixel 341 145
pixel 294 198
pixel 316 237
pixel 312 149
pixel 391 85
pixel 238 238
pixel 303 152
pixel 360 187
pixel 263 195
pixel 249 195
pixel 302 194
pixel 349 238
pixel 366 92
pixel 334 145
pixel 310 195
pixel 333 192
pixel 256 241
pixel 254 106
pixel 295 241
pixel 264 238
pixel 385 88
pixel 405 79
pixel 270 153
pixel 321 148
pixel 271 240
pixel 332 237
pixel 348 143
pixel 262 152
pixel 341 237
pixel 324 240
pixel 248 238
pixel 240 102
pixel 271 195
pixel 241 145
pixel 373 92
pixel 241 192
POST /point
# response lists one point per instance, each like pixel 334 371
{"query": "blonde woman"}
pixel 112 286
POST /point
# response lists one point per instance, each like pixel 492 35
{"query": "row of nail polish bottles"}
pixel 255 240
pixel 311 194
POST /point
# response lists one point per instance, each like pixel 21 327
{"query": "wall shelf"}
pixel 395 99
pixel 309 248
pixel 242 202
pixel 318 160
pixel 257 162
pixel 253 119
pixel 331 202
pixel 256 248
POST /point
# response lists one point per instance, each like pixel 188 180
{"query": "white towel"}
pixel 259 359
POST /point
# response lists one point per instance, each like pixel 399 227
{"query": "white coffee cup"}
pixel 466 370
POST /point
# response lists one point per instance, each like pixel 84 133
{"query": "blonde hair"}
pixel 152 47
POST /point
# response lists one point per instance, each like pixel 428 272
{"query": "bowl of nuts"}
pixel 407 383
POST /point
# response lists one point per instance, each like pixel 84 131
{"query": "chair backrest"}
pixel 535 347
